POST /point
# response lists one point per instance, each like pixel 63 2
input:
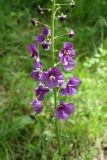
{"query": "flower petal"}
pixel 39 39
pixel 51 83
pixel 60 114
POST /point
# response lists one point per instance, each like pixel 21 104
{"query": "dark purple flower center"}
pixel 66 52
pixel 52 76
pixel 38 74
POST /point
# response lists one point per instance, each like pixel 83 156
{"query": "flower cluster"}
pixel 53 77
pixel 44 39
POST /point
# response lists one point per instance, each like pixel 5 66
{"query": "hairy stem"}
pixel 53 62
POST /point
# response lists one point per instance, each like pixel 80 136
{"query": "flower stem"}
pixel 53 62
pixel 56 125
pixel 61 35
pixel 52 29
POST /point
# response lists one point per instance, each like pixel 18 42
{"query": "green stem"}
pixel 52 29
pixel 61 35
pixel 53 62
pixel 56 124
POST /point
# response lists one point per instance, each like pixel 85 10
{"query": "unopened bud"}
pixel 40 10
pixel 72 4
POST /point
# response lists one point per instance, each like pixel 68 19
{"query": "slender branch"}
pixel 53 63
pixel 66 4
pixel 42 24
pixel 57 64
pixel 61 35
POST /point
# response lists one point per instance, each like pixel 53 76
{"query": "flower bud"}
pixel 71 34
pixel 62 17
pixel 40 10
pixel 33 21
pixel 72 4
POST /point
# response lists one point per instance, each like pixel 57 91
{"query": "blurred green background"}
pixel 22 135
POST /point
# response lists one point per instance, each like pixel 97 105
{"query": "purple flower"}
pixel 46 31
pixel 64 110
pixel 66 55
pixel 37 106
pixel 71 34
pixel 53 77
pixel 62 17
pixel 38 65
pixel 33 50
pixel 71 64
pixel 36 74
pixel 71 87
pixel 46 45
pixel 41 92
pixel 39 39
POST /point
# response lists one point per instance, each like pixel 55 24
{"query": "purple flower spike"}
pixel 64 110
pixel 53 77
pixel 34 51
pixel 37 106
pixel 46 31
pixel 71 34
pixel 36 74
pixel 71 87
pixel 62 17
pixel 39 39
pixel 41 92
pixel 46 45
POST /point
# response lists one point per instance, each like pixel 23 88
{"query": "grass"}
pixel 22 135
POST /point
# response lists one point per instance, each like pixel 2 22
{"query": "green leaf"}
pixel 22 121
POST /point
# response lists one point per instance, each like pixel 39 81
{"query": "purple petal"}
pixel 64 92
pixel 46 31
pixel 64 61
pixel 38 90
pixel 71 90
pixel 64 110
pixel 36 74
pixel 69 108
pixel 69 66
pixel 72 53
pixel 33 50
pixel 68 45
pixel 44 76
pixel 75 81
pixel 60 114
pixel 39 39
pixel 37 106
pixel 38 65
pixel 41 92
pixel 51 83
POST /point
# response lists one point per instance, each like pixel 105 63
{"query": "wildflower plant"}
pixel 52 79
